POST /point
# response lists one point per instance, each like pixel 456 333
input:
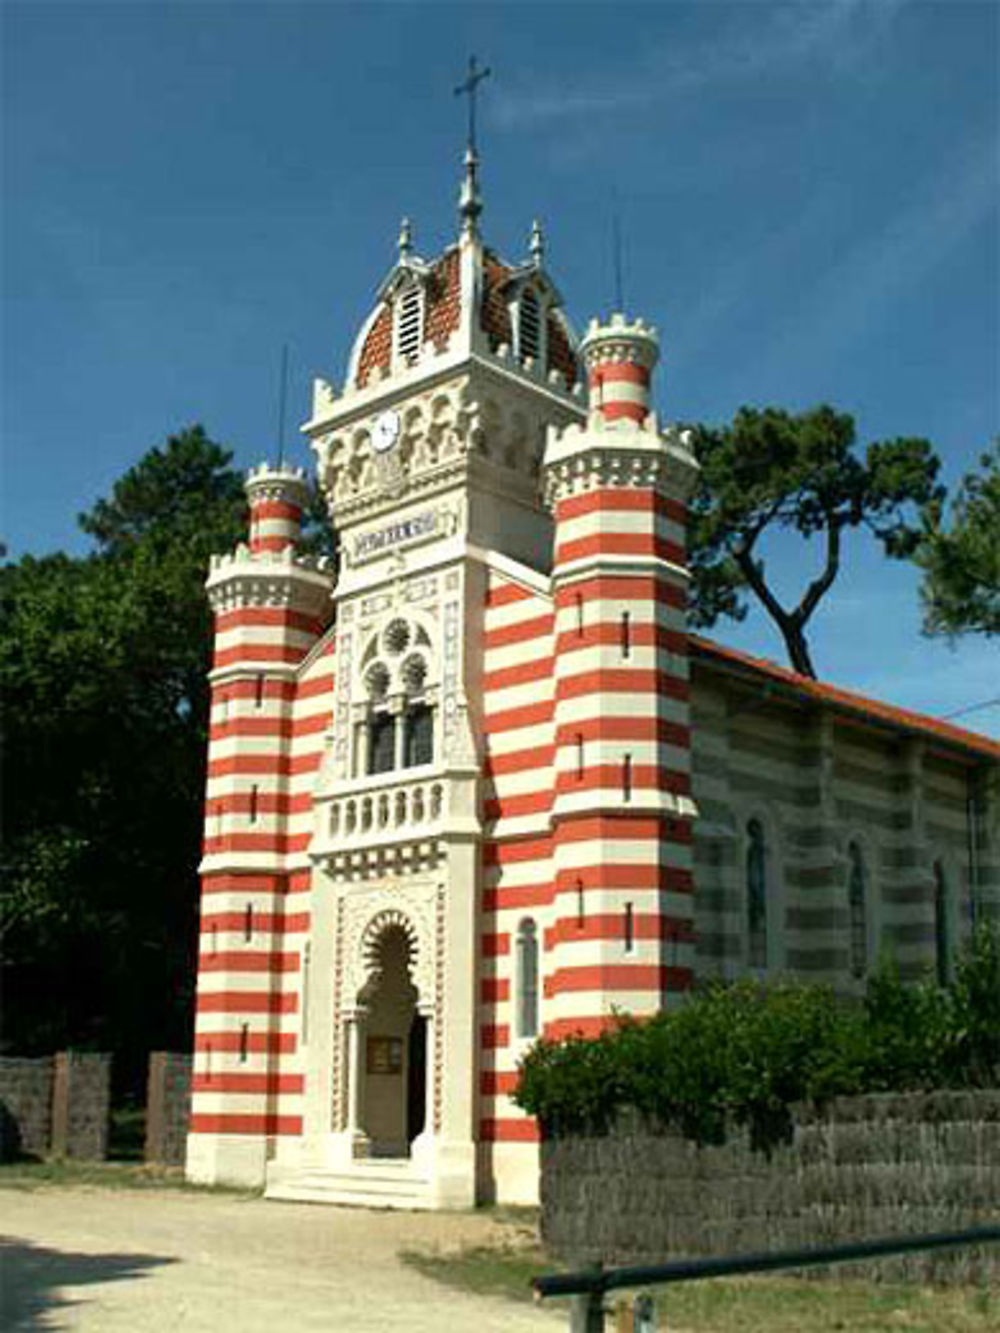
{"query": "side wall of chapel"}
pixel 826 792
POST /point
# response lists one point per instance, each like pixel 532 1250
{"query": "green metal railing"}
pixel 589 1287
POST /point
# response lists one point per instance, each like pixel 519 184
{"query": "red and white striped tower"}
pixel 622 813
pixel 270 606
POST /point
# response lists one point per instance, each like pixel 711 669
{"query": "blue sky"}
pixel 808 197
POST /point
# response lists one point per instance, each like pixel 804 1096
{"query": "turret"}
pixel 622 811
pixel 619 358
pixel 271 605
pixel 277 497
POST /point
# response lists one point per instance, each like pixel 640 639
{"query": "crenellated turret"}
pixel 620 358
pixel 277 497
pixel 271 605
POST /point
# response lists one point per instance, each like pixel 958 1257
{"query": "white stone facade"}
pixel 480 785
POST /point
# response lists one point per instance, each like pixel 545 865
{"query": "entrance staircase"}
pixel 370 1182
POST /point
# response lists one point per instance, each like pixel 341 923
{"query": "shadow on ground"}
pixel 35 1281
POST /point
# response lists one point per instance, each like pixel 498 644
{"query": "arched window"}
pixel 527 979
pixel 857 903
pixel 400 695
pixel 381 742
pixel 418 735
pixel 943 943
pixel 756 873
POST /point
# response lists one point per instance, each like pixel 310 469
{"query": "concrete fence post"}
pixel 168 1098
pixel 81 1105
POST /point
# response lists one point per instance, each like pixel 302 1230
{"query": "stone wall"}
pixel 865 1167
pixel 25 1107
pixel 168 1107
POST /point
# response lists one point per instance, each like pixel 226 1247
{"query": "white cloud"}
pixel 889 260
pixel 765 39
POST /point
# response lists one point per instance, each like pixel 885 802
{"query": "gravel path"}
pixel 110 1261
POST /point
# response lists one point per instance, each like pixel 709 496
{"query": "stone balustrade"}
pixel 411 807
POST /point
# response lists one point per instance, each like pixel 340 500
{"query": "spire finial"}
pixel 470 201
pixel 475 78
pixel 537 243
pixel 405 239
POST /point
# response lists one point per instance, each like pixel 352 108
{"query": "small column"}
pixel 423 1144
pixel 356 1027
pixel 429 1086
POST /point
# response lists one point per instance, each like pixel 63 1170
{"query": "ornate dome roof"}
pixel 472 295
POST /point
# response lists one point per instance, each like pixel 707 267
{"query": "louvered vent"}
pixel 530 326
pixel 408 330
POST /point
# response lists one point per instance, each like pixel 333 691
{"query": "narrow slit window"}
pixel 627 778
pixel 208 1062
pixel 259 691
pixel 629 928
pixel 626 635
pixel 253 803
pixel 942 927
pixel 579 616
pixel 214 940
pixel 248 923
pixel 756 900
pixel 527 979
pixel 244 1042
pixel 580 914
pixel 857 910
pixel 579 756
pixel 305 994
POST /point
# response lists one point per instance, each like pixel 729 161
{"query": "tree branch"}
pixel 820 585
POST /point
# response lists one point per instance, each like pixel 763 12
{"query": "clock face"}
pixel 385 431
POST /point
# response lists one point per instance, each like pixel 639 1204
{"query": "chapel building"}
pixel 477 783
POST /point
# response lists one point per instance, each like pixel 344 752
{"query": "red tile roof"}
pixel 870 710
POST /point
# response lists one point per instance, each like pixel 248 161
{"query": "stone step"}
pixel 369 1184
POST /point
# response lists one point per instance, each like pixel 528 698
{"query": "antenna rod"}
pixel 617 247
pixel 283 394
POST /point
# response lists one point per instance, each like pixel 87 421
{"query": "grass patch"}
pixel 66 1173
pixel 734 1305
pixel 483 1269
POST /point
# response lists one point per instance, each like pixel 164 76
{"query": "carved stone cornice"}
pixel 269 578
pixel 618 454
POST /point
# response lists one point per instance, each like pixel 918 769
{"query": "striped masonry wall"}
pixel 517 868
pixel 816 784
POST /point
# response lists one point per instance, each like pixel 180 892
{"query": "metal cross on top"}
pixel 476 77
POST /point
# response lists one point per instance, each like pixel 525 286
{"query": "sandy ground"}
pixel 106 1261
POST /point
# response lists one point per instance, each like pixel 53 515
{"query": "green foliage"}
pixel 746 1053
pixel 102 667
pixel 771 470
pixel 961 564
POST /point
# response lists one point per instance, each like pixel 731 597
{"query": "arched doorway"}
pixel 395 1054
